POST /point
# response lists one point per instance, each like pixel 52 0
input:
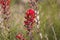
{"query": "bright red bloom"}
pixel 30 16
pixel 31 13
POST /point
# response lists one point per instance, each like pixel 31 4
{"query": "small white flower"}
pixel 38 12
pixel 37 17
pixel 41 35
pixel 39 22
pixel 35 11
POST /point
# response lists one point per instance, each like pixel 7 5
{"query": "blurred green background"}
pixel 49 20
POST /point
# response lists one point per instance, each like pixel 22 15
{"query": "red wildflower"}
pixel 20 36
pixel 30 16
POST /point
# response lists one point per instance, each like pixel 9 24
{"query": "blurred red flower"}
pixel 5 3
pixel 20 36
pixel 30 16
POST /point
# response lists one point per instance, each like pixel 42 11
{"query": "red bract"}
pixel 26 22
pixel 31 19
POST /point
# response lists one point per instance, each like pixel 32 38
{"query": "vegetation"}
pixel 49 21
